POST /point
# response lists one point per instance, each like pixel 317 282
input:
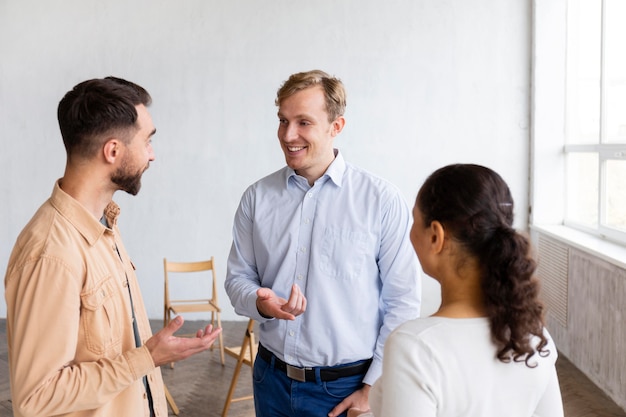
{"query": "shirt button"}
pixel 289 358
pixel 303 249
pixel 307 221
pixel 300 277
pixel 310 195
pixel 290 332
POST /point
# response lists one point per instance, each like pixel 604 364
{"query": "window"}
pixel 595 118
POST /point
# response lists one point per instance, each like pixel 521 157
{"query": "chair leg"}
pixel 231 390
pixel 170 400
pixel 221 340
pixel 167 317
pixel 246 355
pixel 213 324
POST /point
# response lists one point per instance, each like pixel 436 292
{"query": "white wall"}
pixel 429 83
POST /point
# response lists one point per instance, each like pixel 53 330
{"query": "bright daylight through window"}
pixel 596 117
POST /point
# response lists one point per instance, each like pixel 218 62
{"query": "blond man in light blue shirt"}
pixel 321 258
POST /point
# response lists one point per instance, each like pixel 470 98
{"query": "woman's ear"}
pixel 437 236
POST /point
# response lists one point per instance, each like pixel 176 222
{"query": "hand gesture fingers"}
pixel 208 332
pixel 270 305
pixel 165 347
pixel 296 304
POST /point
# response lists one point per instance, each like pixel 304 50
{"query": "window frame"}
pixel 547 202
pixel 603 149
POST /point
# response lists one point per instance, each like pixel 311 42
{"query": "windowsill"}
pixel 609 251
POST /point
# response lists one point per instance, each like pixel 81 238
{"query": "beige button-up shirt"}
pixel 69 319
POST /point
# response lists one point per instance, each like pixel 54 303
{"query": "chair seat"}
pixel 235 352
pixel 194 308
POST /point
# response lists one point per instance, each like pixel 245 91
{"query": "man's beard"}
pixel 129 182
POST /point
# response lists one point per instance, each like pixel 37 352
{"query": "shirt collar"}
pixel 335 170
pixel 74 212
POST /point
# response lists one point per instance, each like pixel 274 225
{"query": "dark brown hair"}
pixel 96 108
pixel 474 205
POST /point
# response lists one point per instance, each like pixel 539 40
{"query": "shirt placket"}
pixel 303 255
pixel 124 274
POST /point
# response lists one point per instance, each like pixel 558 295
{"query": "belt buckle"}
pixel 296 373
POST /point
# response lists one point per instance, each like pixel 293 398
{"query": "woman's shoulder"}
pixel 441 324
pixel 434 332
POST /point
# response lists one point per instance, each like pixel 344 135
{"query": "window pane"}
pixel 584 64
pixel 615 68
pixel 582 189
pixel 616 194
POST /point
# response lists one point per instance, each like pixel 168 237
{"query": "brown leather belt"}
pixel 327 373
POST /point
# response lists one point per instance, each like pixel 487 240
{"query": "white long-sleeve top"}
pixel 447 367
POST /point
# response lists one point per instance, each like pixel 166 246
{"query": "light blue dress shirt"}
pixel 345 242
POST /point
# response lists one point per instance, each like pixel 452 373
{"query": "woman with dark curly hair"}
pixel 485 352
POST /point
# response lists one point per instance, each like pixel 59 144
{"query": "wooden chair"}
pixel 170 400
pixel 245 355
pixel 180 306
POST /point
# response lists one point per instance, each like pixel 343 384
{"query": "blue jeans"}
pixel 277 395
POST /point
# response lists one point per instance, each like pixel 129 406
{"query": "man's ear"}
pixel 337 126
pixel 437 236
pixel 111 150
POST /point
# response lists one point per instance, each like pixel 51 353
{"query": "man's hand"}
pixel 358 399
pixel 270 305
pixel 355 412
pixel 166 348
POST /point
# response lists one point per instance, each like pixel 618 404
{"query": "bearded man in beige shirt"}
pixel 79 338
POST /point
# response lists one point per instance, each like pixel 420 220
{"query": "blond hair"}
pixel 334 91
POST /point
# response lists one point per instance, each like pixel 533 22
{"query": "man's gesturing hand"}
pixel 165 347
pixel 270 305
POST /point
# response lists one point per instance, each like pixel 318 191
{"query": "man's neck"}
pixel 91 195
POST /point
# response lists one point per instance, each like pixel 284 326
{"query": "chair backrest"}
pixel 182 267
pixel 196 295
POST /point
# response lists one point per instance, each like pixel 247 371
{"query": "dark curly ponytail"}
pixel 475 206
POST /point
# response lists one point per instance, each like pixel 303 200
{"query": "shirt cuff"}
pixel 140 361
pixel 374 372
pixel 254 311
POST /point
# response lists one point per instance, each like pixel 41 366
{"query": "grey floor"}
pixel 199 384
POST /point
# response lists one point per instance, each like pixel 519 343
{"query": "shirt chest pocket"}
pixel 343 253
pixel 102 319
